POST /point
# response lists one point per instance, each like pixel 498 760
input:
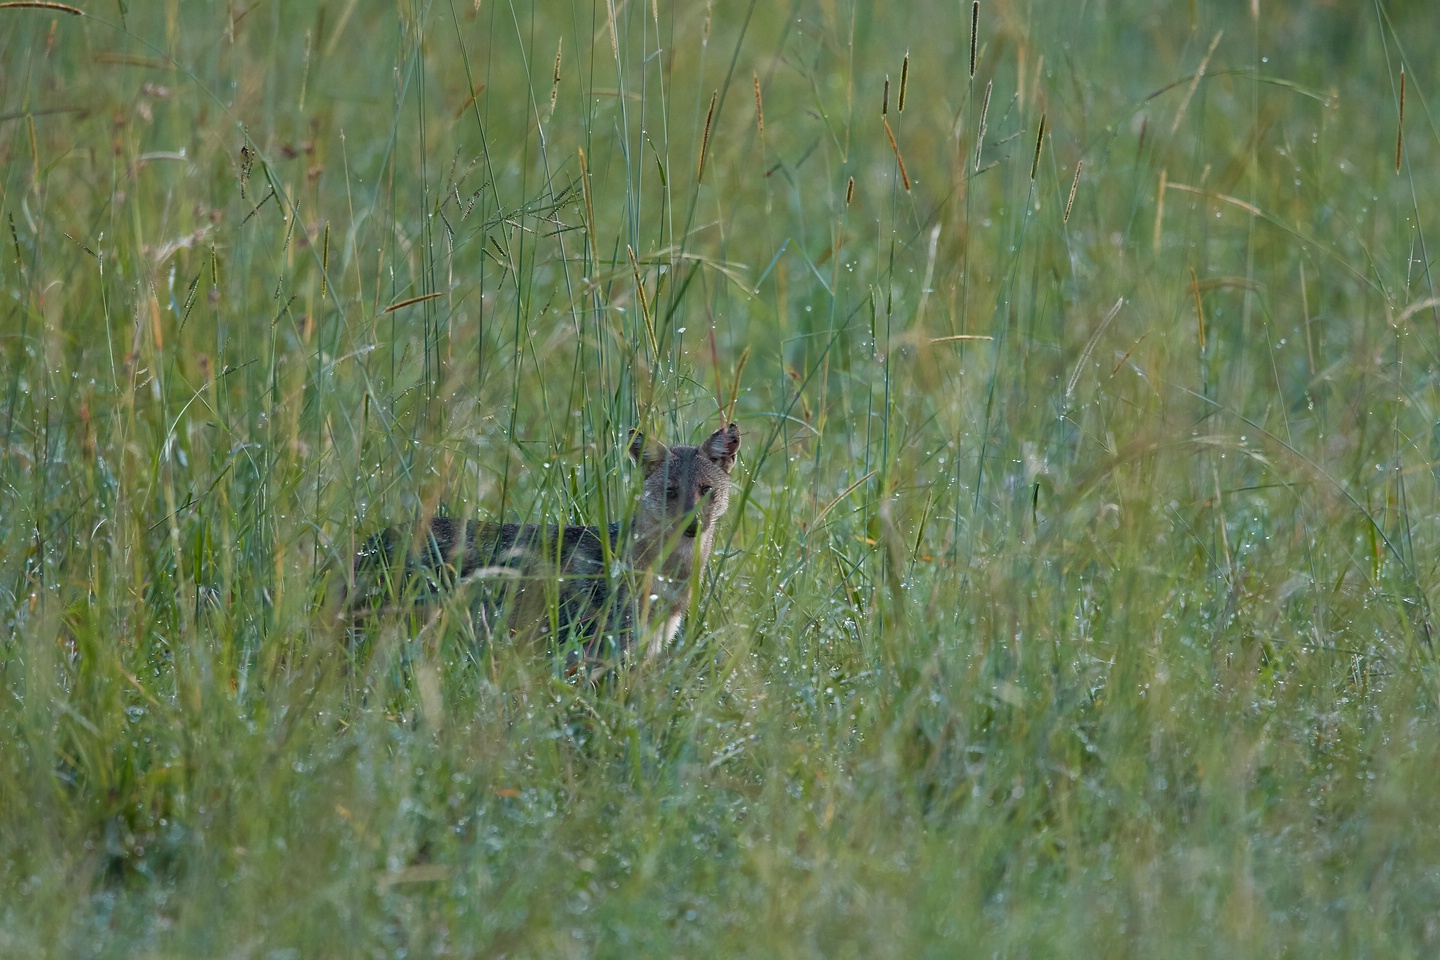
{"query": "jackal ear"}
pixel 721 445
pixel 644 451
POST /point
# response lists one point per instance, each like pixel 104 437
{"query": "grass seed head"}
pixel 1039 140
pixel 974 33
pixel 1079 164
pixel 705 138
pixel 759 108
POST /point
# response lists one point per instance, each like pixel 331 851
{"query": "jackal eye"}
pixel 673 493
pixel 705 489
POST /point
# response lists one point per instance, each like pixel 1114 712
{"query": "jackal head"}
pixel 686 491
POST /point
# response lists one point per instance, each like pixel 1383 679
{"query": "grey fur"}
pixel 533 580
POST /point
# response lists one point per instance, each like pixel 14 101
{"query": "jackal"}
pixel 549 581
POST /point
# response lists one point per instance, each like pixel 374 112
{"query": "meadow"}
pixel 1075 595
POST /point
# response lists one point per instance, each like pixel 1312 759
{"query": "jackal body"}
pixel 536 580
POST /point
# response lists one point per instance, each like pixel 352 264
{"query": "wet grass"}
pixel 1077 595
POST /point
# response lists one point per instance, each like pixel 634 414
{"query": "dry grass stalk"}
pixel 1400 127
pixel 904 177
pixel 727 407
pixel 1305 312
pixel 1249 208
pixel 980 135
pixel 42 5
pixel 1089 348
pixel 1126 355
pixel 644 302
pixel 35 149
pixel 1195 82
pixel 589 202
pixel 1159 209
pixel 1199 309
pixel 905 79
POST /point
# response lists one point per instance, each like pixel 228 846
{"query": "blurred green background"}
pixel 1075 596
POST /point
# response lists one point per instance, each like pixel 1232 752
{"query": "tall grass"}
pixel 1076 598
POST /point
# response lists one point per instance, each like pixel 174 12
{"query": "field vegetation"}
pixel 1078 593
